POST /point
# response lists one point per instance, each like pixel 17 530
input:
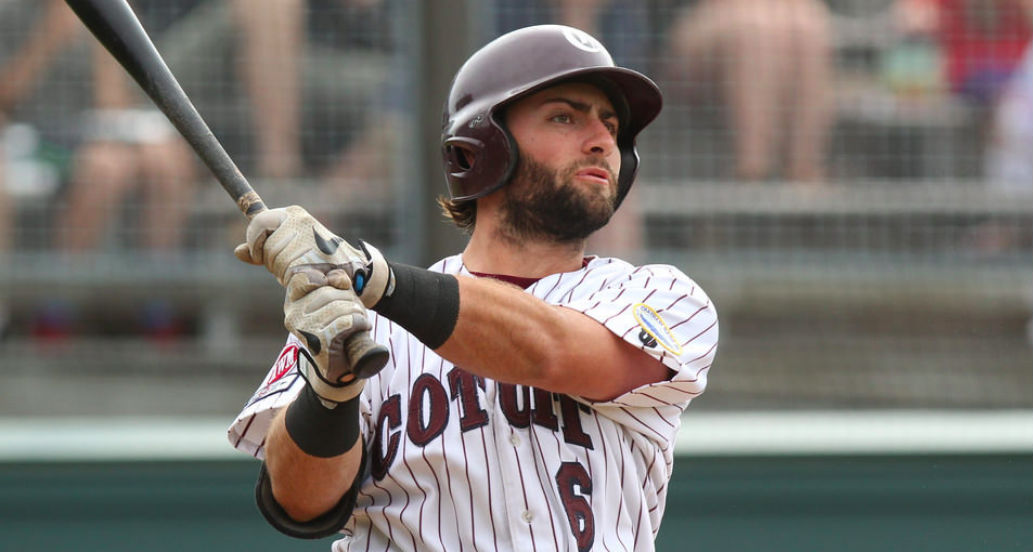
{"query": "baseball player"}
pixel 533 392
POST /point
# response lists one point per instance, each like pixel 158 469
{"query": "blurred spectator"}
pixel 17 74
pixel 125 148
pixel 769 64
pixel 270 61
pixel 1009 164
pixel 6 225
pixel 276 43
pixel 1010 151
pixel 623 26
pixel 981 41
pixel 121 147
pixel 121 152
pixel 6 213
pixel 978 45
pixel 366 163
pixel 266 47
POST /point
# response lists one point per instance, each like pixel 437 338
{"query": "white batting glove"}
pixel 323 312
pixel 289 238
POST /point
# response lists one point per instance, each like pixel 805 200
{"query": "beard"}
pixel 547 204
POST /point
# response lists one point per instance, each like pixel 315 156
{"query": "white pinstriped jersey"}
pixel 457 462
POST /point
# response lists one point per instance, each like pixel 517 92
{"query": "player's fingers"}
pixel 299 216
pixel 281 249
pixel 267 220
pixel 341 322
pixel 326 297
pixel 329 324
pixel 260 227
pixel 303 280
pixel 243 252
pixel 334 319
pixel 339 279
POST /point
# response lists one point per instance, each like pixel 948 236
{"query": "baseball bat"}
pixel 121 33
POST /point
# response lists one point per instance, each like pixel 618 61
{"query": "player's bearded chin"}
pixel 548 204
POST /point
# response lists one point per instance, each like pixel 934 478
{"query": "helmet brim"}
pixel 638 93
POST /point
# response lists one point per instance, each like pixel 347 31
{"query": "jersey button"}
pixel 514 440
pixel 527 516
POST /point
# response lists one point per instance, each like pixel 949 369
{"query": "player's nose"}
pixel 599 139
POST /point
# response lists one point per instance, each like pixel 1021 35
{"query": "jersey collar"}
pixel 519 281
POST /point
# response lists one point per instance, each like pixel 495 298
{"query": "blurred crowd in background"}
pixel 759 80
pixel 318 95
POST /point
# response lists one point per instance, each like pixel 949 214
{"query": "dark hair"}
pixel 463 214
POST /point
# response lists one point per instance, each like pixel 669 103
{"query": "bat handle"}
pixel 249 203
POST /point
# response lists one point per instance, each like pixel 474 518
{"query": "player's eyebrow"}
pixel 583 107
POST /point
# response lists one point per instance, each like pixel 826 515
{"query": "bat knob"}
pixel 366 357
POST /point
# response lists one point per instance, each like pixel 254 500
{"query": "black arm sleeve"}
pixel 323 526
pixel 423 302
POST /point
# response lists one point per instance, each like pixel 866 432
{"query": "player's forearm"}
pixel 307 486
pixel 508 335
pixel 500 332
pixel 490 328
pixel 505 334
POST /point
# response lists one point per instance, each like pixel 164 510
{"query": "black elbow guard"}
pixel 323 526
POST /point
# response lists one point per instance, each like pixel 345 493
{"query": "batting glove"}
pixel 290 238
pixel 323 312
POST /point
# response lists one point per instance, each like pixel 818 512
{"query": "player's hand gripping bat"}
pixel 120 31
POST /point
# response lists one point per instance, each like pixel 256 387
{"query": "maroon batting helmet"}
pixel 479 152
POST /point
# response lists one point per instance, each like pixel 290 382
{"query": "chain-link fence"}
pixel 849 180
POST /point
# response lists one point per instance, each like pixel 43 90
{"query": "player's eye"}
pixel 561 118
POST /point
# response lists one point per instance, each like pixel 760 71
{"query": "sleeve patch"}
pixel 277 381
pixel 284 364
pixel 653 324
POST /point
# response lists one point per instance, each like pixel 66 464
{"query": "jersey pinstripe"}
pixel 459 462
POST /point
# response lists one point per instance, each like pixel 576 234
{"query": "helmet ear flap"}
pixel 464 158
pixel 461 154
pixel 477 166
